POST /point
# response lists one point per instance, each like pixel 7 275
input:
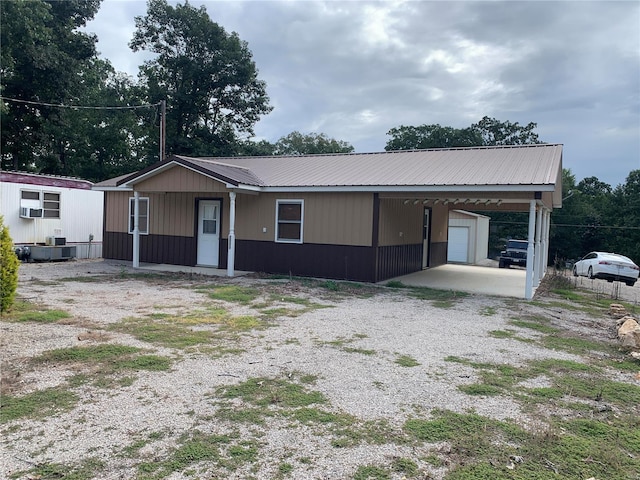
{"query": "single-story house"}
pixel 468 239
pixel 363 217
pixel 49 209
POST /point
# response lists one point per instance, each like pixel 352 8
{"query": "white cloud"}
pixel 353 70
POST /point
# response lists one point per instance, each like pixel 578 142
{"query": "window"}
pixel 51 205
pixel 30 195
pixel 48 202
pixel 289 217
pixel 143 215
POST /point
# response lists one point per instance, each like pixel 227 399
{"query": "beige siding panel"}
pixel 171 213
pixel 400 224
pixel 117 211
pixel 439 224
pixel 180 179
pixel 329 218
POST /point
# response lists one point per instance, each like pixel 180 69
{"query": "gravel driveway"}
pixel 372 354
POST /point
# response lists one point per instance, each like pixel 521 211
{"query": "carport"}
pixel 530 181
pixel 483 280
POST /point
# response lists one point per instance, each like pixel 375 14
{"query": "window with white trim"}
pixel 289 220
pixel 143 214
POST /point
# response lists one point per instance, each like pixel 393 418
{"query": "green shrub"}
pixel 8 269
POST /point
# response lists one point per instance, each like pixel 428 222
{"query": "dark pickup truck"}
pixel 515 253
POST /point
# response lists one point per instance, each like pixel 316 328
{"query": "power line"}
pixel 80 107
pixel 570 225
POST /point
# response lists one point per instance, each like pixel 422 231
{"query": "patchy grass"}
pixel 406 361
pixel 88 468
pixel 488 311
pixel 438 298
pixel 269 391
pixel 24 311
pixel 232 293
pixel 103 365
pixel 37 405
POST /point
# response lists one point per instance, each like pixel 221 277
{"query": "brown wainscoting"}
pixel 173 250
pixel 438 254
pixel 397 260
pixel 340 262
pixel 117 245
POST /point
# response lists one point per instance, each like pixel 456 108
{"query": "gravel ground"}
pixel 368 386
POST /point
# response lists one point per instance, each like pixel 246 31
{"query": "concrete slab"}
pixel 504 282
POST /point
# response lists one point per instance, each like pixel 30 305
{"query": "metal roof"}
pixel 537 165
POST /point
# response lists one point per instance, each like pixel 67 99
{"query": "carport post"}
pixel 136 230
pixel 537 272
pixel 231 254
pixel 545 261
pixel 542 260
pixel 528 289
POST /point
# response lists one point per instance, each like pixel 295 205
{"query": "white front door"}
pixel 208 232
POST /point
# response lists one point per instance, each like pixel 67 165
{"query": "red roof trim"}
pixel 44 180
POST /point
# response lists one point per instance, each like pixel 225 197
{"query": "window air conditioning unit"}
pixel 28 212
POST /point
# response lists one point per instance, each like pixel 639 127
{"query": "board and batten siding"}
pixel 338 219
pixel 400 224
pixel 181 179
pixel 329 218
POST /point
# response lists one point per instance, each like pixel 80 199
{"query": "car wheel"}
pixel 575 271
pixel 630 284
pixel 590 273
pixel 500 264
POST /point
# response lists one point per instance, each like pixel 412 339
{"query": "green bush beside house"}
pixel 8 269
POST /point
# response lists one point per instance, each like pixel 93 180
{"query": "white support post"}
pixel 232 235
pixel 528 289
pixel 546 236
pixel 136 230
pixel 542 265
pixel 537 267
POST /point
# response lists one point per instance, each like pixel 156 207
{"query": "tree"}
pixel 206 75
pixel 488 131
pixel 495 132
pixel 42 54
pixel 626 215
pixel 8 269
pixel 310 144
pixel 431 136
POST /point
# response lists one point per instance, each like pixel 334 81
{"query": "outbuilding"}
pixel 53 211
pixel 363 217
pixel 468 240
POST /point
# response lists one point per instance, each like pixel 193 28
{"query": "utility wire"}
pixel 80 107
pixel 570 225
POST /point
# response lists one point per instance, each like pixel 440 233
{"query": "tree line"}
pixel 66 111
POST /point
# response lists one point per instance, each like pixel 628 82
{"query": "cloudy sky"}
pixel 355 69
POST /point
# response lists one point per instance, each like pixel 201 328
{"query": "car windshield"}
pixel 520 244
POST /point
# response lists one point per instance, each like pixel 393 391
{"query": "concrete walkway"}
pixel 486 280
pixel 504 282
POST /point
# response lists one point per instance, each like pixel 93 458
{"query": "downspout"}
pixel 136 229
pixel 528 289
pixel 231 253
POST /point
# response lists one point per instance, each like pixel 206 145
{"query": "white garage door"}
pixel 458 249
